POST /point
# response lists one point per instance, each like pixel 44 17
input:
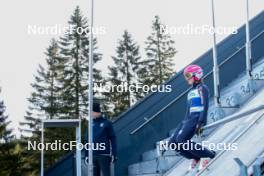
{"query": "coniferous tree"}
pixel 75 50
pixel 45 103
pixel 5 133
pixel 59 91
pixel 158 65
pixel 123 72
pixel 9 156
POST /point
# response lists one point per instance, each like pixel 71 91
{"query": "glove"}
pixel 199 129
pixel 113 159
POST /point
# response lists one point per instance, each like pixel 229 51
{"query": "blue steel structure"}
pixel 133 141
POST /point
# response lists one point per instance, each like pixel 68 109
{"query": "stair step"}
pixel 163 140
pixel 149 155
pixel 153 154
pixel 148 175
pixel 156 166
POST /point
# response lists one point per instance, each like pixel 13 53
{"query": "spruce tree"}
pixel 44 103
pixel 59 91
pixel 123 72
pixel 75 50
pixel 157 67
pixel 5 133
pixel 9 158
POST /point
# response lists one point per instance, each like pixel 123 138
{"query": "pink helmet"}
pixel 194 71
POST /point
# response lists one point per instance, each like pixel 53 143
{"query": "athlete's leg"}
pixel 202 152
pixel 183 136
pixel 173 138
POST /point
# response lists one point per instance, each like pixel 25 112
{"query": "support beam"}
pixel 248 45
pixel 78 153
pixel 90 92
pixel 257 167
pixel 215 67
pixel 242 167
pixel 42 152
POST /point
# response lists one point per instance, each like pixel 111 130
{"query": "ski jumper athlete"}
pixel 195 119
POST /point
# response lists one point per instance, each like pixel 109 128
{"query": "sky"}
pixel 21 51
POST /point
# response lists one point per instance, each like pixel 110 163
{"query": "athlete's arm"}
pixel 203 92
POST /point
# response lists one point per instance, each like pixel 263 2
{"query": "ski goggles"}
pixel 188 76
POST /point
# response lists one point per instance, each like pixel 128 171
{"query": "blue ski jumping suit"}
pixel 196 114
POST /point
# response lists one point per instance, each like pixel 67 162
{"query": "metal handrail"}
pixel 233 117
pixel 182 94
pixel 243 114
pixel 233 141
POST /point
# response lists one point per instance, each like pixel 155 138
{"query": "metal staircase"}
pixel 153 163
pixel 246 132
pixel 150 120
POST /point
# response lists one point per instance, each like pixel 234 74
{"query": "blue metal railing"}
pixel 185 92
